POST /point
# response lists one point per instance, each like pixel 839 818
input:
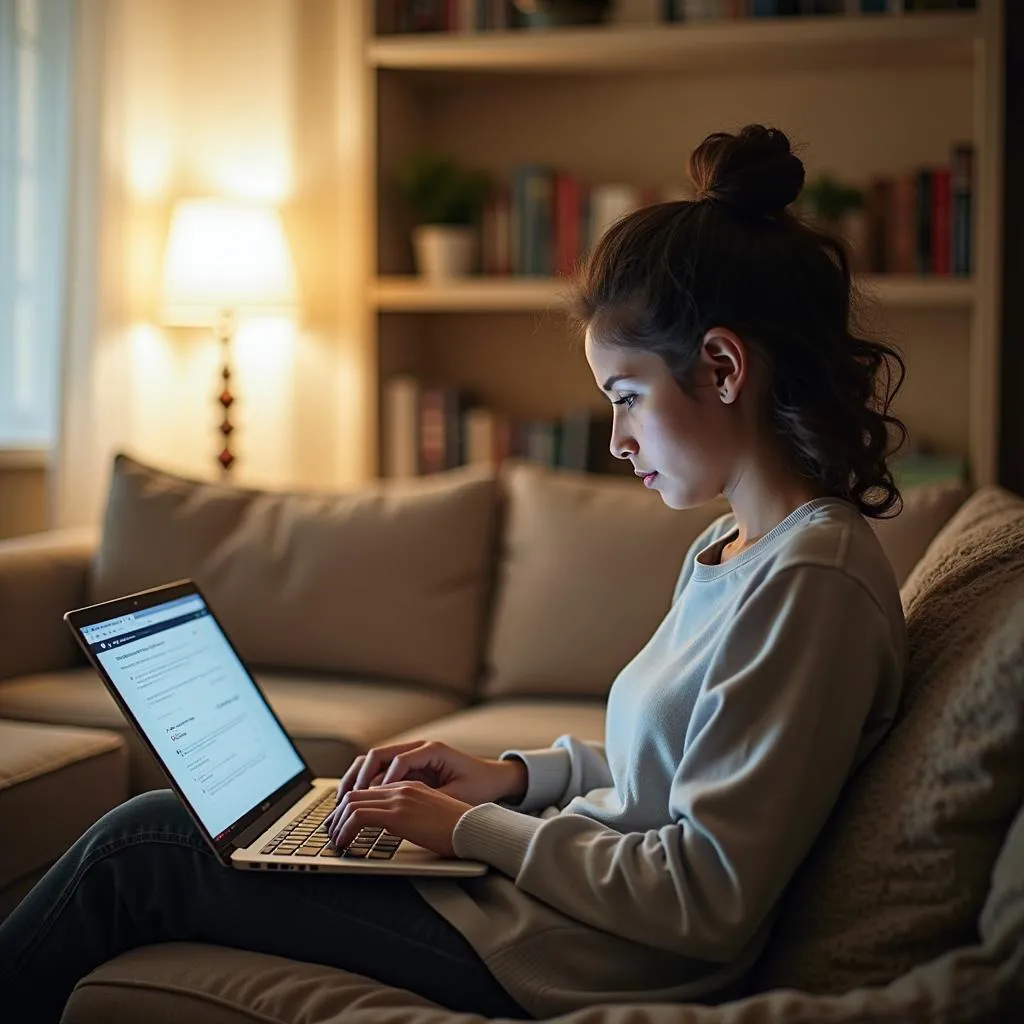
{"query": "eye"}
pixel 627 400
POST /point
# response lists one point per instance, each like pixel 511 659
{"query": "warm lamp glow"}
pixel 225 257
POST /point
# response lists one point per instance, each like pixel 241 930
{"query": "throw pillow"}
pixel 901 871
pixel 586 574
pixel 390 579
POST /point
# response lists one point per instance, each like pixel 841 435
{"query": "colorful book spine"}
pixel 567 226
pixel 903 225
pixel 923 234
pixel 496 233
pixel 961 189
pixel 539 257
pixel 941 246
pixel 432 447
pixel 401 427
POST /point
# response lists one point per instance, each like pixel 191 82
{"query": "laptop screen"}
pixel 197 705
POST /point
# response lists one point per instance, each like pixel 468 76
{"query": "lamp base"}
pixel 224 331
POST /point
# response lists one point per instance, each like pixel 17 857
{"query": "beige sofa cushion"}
pixel 41 577
pixel 519 724
pixel 54 783
pixel 587 571
pixel 926 509
pixel 977 983
pixel 904 865
pixel 330 721
pixel 389 580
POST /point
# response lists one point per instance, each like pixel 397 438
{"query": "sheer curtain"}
pixel 93 417
pixel 36 51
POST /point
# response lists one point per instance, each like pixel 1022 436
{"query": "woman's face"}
pixel 685 441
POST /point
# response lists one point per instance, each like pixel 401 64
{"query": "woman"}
pixel 650 870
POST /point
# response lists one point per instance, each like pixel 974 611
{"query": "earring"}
pixel 724 393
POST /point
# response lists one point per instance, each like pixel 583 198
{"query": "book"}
pixel 480 428
pixel 902 225
pixel 877 205
pixel 941 245
pixel 567 223
pixel 401 427
pixel 923 234
pixel 538 226
pixel 530 220
pixel 609 203
pixel 542 442
pixel 496 233
pixel 585 437
pixel 914 469
pixel 432 445
pixel 961 186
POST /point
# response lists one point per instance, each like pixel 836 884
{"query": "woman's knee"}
pixel 158 811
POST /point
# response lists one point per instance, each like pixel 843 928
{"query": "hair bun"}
pixel 754 171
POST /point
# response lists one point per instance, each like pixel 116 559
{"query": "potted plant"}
pixel 838 209
pixel 446 201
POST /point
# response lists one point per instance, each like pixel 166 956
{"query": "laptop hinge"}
pixel 264 821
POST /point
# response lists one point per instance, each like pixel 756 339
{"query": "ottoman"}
pixel 54 783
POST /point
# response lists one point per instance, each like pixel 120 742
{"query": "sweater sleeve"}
pixel 775 732
pixel 567 769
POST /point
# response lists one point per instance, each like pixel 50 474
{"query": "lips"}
pixel 648 478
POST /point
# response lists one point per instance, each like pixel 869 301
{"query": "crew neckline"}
pixel 703 571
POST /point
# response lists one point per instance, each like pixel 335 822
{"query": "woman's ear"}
pixel 724 362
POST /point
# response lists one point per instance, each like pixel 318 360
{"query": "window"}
pixel 36 40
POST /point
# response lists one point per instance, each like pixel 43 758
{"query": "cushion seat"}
pixel 40 766
pixel 488 729
pixel 330 721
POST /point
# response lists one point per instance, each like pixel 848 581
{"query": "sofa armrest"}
pixel 41 577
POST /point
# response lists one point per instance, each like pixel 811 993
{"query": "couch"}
pixel 493 611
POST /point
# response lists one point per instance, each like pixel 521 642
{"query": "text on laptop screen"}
pixel 195 702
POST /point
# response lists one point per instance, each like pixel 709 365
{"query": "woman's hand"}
pixel 468 779
pixel 412 810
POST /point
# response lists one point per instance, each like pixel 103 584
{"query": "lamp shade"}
pixel 224 256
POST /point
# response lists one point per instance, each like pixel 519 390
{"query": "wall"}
pixel 200 99
pixel 229 125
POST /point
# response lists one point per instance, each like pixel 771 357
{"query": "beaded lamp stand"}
pixel 224 330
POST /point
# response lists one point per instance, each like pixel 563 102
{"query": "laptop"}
pixel 181 684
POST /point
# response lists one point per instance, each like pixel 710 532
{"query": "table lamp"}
pixel 225 260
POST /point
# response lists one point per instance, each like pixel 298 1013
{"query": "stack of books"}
pixel 920 222
pixel 428 429
pixel 403 16
pixel 545 220
pixel 705 10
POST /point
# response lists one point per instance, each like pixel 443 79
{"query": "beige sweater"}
pixel 650 869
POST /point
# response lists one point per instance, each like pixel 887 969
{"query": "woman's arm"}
pixel 567 769
pixel 775 733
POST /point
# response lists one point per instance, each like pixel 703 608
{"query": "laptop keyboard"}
pixel 305 837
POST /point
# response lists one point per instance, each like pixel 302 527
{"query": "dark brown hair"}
pixel 735 257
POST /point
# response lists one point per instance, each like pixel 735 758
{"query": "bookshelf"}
pixel 820 44
pixel 627 101
pixel 410 293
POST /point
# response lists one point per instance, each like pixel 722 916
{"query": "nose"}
pixel 621 444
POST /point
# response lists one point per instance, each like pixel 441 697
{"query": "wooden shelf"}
pixel 528 294
pixel 823 42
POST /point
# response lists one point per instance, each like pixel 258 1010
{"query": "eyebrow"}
pixel 612 381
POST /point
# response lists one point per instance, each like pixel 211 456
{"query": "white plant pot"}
pixel 443 252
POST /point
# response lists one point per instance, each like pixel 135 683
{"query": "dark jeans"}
pixel 143 874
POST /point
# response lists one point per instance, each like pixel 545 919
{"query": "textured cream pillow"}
pixel 926 509
pixel 587 572
pixel 388 580
pixel 902 870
